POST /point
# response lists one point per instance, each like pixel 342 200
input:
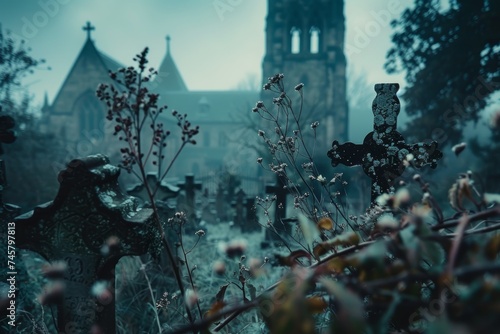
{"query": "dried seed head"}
pixel 54 270
pixel 219 267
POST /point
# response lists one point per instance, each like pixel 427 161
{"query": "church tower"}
pixel 305 42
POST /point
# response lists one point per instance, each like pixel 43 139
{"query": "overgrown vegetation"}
pixel 401 266
pixel 449 53
pixel 31 155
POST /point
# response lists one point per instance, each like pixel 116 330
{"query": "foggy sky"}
pixel 215 43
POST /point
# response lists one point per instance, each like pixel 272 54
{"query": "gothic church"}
pixel 304 40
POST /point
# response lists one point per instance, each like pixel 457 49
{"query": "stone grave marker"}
pixel 7 136
pixel 280 224
pixel 208 212
pixel 7 211
pixel 187 203
pixel 164 190
pixel 87 211
pixel 221 205
pixel 164 195
pixel 250 224
pixel 384 150
pixel 239 206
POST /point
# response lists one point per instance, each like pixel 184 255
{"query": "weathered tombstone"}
pixel 7 211
pixel 187 204
pixel 250 224
pixel 384 150
pixel 238 204
pixel 7 136
pixel 208 213
pixel 280 191
pixel 164 194
pixel 221 206
pixel 164 191
pixel 88 210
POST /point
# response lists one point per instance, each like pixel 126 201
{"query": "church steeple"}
pixel 46 106
pixel 168 44
pixel 169 78
pixel 305 41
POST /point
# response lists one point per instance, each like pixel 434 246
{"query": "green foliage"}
pixel 15 63
pixel 450 56
pixel 29 159
pixel 489 156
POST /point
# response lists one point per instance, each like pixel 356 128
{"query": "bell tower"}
pixel 305 42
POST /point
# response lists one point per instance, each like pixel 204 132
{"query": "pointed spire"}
pixel 168 44
pixel 169 78
pixel 45 107
pixel 88 28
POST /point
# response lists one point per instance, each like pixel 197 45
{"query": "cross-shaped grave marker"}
pixel 190 187
pixel 384 150
pixel 238 205
pixel 88 211
pixel 250 224
pixel 280 191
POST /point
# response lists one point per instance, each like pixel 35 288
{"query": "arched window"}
pixel 295 45
pixel 314 44
pixel 90 114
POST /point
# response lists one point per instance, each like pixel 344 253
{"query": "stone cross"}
pixel 88 210
pixel 88 28
pixel 189 187
pixel 250 224
pixel 384 151
pixel 238 204
pixel 222 207
pixel 280 191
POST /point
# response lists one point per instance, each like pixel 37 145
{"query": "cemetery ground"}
pixel 211 267
pixel 299 259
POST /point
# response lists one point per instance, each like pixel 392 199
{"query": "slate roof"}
pixel 89 53
pixel 109 62
pixel 210 106
pixel 169 77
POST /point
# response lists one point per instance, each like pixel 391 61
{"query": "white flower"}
pixel 190 298
pixel 321 179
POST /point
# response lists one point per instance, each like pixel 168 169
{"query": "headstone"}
pixel 7 211
pixel 384 150
pixel 89 210
pixel 7 136
pixel 250 224
pixel 163 193
pixel 221 204
pixel 239 205
pixel 161 189
pixel 280 224
pixel 190 187
pixel 208 213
